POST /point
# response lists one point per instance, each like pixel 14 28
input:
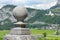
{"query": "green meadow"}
pixel 50 34
pixel 2 33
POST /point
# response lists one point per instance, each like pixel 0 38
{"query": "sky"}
pixel 36 4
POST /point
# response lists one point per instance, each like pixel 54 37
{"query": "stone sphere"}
pixel 20 13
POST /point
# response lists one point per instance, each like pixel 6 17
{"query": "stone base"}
pixel 20 37
pixel 20 31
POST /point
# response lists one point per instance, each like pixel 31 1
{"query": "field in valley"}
pixel 50 34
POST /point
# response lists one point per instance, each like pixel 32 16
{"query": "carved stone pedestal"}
pixel 20 37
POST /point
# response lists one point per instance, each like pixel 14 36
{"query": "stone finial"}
pixel 20 13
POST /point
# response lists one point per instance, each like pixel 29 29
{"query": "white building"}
pixel 50 13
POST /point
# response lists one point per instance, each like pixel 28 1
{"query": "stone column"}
pixel 20 32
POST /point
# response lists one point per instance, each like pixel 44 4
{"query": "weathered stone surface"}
pixel 20 13
pixel 20 24
pixel 20 31
pixel 20 37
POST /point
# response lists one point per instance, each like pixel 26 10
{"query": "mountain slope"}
pixel 7 19
pixel 55 9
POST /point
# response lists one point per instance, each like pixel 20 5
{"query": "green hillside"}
pixel 34 15
pixel 40 16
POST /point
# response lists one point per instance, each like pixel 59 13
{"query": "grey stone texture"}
pixel 20 34
pixel 20 13
pixel 20 31
pixel 20 37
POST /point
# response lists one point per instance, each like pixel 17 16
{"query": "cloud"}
pixel 42 6
pixel 39 4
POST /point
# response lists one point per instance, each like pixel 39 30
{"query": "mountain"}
pixel 6 17
pixel 5 12
pixel 57 5
pixel 56 8
pixel 10 7
pixel 34 16
pixel 40 16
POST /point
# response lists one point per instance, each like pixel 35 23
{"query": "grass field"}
pixel 50 34
pixel 2 33
pixel 39 32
